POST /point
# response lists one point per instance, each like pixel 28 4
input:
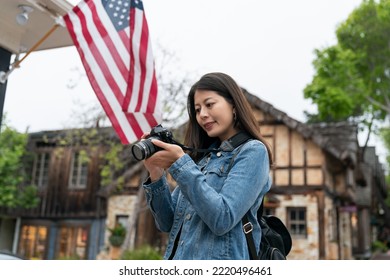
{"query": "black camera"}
pixel 145 148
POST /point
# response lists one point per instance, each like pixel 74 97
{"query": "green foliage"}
pixel 29 197
pixel 113 164
pixel 118 235
pixel 87 141
pixel 145 252
pixel 71 257
pixel 378 246
pixel 12 151
pixel 8 196
pixel 118 230
pixel 331 85
pixel 352 78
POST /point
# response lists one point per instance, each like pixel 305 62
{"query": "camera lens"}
pixel 143 149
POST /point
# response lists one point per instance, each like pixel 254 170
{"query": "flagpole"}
pixel 4 75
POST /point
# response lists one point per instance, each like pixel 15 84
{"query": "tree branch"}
pixel 383 107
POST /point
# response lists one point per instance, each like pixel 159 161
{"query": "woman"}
pixel 215 190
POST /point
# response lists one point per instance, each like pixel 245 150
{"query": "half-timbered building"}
pixel 326 189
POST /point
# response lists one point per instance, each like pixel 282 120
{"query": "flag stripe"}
pixel 111 100
pixel 101 56
pixel 151 104
pixel 112 39
pixel 148 72
pixel 135 37
pixel 142 56
pixel 105 103
pixel 123 65
pixel 120 39
pixel 145 120
pixel 150 90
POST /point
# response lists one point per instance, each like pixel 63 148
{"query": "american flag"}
pixel 113 41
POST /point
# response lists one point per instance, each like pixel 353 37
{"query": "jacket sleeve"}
pixel 161 202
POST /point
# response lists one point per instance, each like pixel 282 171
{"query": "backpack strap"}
pixel 248 228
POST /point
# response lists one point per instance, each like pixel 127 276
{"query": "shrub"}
pixel 145 252
pixel 379 246
pixel 118 234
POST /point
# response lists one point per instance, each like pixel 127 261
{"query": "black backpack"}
pixel 275 240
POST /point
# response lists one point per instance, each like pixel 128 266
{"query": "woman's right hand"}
pixel 155 172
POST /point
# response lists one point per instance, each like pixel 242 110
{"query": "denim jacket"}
pixel 206 208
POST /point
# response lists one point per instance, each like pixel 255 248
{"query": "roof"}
pixel 338 139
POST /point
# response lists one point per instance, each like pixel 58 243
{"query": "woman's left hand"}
pixel 166 157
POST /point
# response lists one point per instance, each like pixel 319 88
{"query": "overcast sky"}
pixel 266 46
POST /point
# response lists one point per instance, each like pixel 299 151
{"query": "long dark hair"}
pixel 226 87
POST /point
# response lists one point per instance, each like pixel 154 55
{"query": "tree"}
pixel 13 192
pixel 352 79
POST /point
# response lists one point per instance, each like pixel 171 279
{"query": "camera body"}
pixel 145 148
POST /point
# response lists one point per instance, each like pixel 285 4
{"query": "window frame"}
pixel 39 172
pixel 79 165
pixel 297 222
pixel 22 241
pixel 69 227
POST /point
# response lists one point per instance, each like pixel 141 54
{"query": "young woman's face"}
pixel 214 114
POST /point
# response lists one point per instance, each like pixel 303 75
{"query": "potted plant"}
pixel 118 234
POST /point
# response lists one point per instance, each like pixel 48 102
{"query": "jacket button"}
pixel 219 154
pixel 188 216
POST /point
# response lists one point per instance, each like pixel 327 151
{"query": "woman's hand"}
pixel 163 159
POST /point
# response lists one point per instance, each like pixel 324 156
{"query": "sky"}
pixel 266 46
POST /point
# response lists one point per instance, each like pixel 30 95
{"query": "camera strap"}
pixel 226 146
pixel 235 141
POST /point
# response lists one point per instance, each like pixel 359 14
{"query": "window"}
pixel 78 172
pixel 41 170
pixel 72 242
pixel 32 243
pixel 296 221
pixel 122 219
